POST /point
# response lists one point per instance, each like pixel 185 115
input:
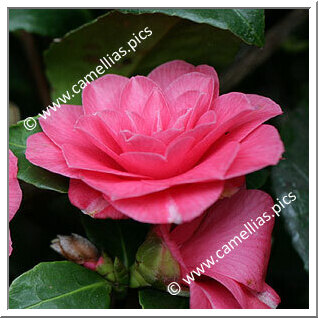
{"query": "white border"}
pixel 312 163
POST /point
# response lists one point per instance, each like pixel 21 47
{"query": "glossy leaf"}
pixel 119 238
pixel 79 52
pixel 59 285
pixel 291 175
pixel 155 299
pixel 27 172
pixel 248 24
pixel 47 22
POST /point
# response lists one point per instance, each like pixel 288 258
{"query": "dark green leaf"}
pixel 119 238
pixel 248 24
pixel 79 52
pixel 59 285
pixel 29 173
pixel 155 299
pixel 291 175
pixel 257 179
pixel 47 22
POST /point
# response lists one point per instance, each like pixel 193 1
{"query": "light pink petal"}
pixel 201 107
pixel 140 143
pixel 103 93
pixel 156 112
pixel 91 201
pixel 263 147
pixel 81 157
pixel 189 82
pixel 166 73
pixel 211 294
pixel 59 127
pixel 98 133
pixel 184 101
pixel 166 136
pixel 210 71
pixel 212 168
pixel 262 109
pixel 42 152
pixel 247 262
pixel 136 93
pixel 175 205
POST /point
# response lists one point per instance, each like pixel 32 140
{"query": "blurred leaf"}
pixel 27 172
pixel 155 299
pixel 257 179
pixel 47 22
pixel 248 24
pixel 59 285
pixel 119 238
pixel 79 52
pixel 291 174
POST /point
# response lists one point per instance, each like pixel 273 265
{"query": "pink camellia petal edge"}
pixel 15 193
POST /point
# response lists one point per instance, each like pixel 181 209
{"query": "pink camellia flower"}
pixel 237 278
pixel 15 193
pixel 158 149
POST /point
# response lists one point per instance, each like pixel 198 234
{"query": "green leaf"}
pixel 257 179
pixel 79 52
pixel 155 299
pixel 248 24
pixel 62 285
pixel 291 175
pixel 27 172
pixel 119 238
pixel 47 22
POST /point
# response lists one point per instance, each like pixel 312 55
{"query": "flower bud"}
pixel 75 248
pixel 154 265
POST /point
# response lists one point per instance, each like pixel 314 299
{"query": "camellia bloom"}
pixel 15 193
pixel 237 278
pixel 158 149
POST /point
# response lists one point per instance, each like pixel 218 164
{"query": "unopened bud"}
pixel 154 265
pixel 75 248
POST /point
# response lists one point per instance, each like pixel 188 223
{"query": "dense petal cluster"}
pixel 158 149
pixel 15 193
pixel 238 279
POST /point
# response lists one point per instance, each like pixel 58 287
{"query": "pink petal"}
pixel 175 205
pixel 15 193
pixel 262 109
pixel 263 147
pixel 212 168
pixel 166 73
pixel 91 201
pixel 140 143
pixel 247 298
pixel 98 133
pixel 247 262
pixel 156 112
pixel 59 127
pixel 136 93
pixel 42 152
pixel 189 82
pixel 103 93
pixel 211 294
pixel 90 158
